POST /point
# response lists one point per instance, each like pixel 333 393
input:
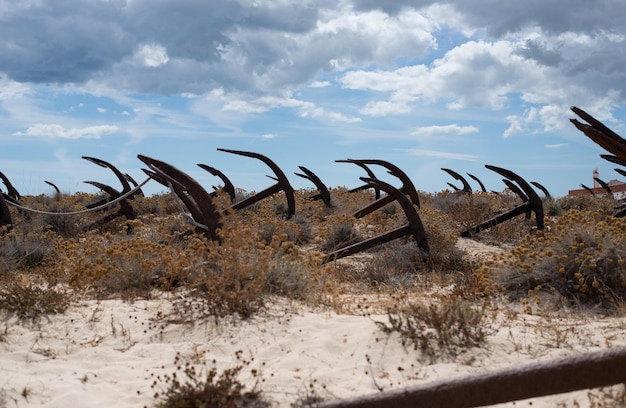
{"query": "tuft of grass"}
pixel 443 328
pixel 32 302
pixel 341 235
pixel 193 388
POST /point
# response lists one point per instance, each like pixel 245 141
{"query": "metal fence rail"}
pixel 590 370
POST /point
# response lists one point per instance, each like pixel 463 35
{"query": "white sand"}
pixel 105 354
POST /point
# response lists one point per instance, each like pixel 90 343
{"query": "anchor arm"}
pixel 324 194
pixel 125 186
pixel 466 187
pixel 480 183
pixel 228 185
pixel 283 183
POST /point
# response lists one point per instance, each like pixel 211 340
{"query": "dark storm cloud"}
pixel 60 41
pixel 73 41
pixel 552 16
pixel 539 51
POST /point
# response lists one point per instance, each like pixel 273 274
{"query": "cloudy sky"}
pixel 422 84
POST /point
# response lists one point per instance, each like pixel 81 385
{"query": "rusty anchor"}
pixel 5 215
pixel 480 183
pixel 532 204
pixel 370 174
pixel 414 226
pixel 407 186
pixel 190 192
pixel 126 209
pixel 132 181
pixel 12 196
pixel 323 194
pixel 588 189
pixel 54 186
pixel 542 188
pixel 602 136
pixel 605 186
pixel 466 187
pixel 11 191
pixel 125 186
pixel 518 191
pixel 282 184
pixel 229 188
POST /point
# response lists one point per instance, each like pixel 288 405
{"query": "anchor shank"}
pixel 257 197
pixel 368 243
pixel 521 209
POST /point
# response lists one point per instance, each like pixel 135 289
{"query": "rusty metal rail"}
pixel 590 370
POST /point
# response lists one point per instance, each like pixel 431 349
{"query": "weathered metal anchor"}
pixel 601 135
pixel 407 186
pixel 588 189
pixel 12 196
pixel 190 192
pixel 370 174
pixel 111 191
pixel 414 226
pixel 466 187
pixel 605 186
pixel 11 191
pixel 480 183
pixel 126 209
pixel 282 184
pixel 5 215
pixel 542 188
pixel 54 186
pixel 533 203
pixel 229 188
pixel 323 194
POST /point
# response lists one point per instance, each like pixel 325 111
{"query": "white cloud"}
pixel 442 155
pixel 522 123
pixel 55 131
pixel 152 55
pixel 446 130
pixel 319 84
pixel 556 145
pixel 11 89
pixel 101 110
pixel 305 109
pixel 385 108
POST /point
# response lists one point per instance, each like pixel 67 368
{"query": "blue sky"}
pixel 422 84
